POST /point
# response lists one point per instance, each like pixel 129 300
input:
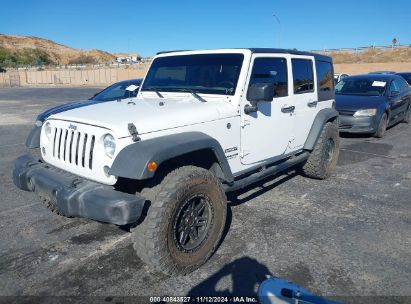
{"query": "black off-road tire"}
pixel 323 159
pixel 407 117
pixel 382 126
pixel 155 241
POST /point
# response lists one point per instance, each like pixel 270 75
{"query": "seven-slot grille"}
pixel 73 147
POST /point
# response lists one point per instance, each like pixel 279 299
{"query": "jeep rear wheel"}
pixel 323 159
pixel 184 223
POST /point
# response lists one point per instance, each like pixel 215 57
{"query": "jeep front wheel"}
pixel 323 159
pixel 184 223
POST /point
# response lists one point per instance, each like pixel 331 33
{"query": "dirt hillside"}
pixel 57 53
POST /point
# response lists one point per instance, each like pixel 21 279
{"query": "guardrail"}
pixel 362 49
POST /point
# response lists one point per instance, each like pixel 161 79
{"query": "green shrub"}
pixel 32 57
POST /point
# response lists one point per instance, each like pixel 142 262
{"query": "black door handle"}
pixel 288 109
pixel 312 104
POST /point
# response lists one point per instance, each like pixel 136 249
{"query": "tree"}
pixel 394 41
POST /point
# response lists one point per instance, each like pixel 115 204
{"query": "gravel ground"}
pixel 347 237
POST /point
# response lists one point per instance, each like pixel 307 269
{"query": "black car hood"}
pixel 356 102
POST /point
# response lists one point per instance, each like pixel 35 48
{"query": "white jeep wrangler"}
pixel 203 123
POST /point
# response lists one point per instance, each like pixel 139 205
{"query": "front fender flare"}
pixel 323 116
pixel 33 140
pixel 131 162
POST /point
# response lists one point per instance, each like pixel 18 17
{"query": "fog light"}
pixel 106 170
pixel 43 150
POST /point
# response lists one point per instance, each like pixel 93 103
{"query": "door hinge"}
pixel 244 123
pixel 244 153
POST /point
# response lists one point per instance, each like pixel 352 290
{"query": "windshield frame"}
pixel 230 92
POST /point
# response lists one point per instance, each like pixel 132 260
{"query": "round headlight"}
pixel 109 145
pixel 47 130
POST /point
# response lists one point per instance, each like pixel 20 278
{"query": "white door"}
pixel 267 133
pixel 305 96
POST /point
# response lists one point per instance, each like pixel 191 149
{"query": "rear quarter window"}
pixel 325 74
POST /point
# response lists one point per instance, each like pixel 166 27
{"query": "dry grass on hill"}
pixel 398 54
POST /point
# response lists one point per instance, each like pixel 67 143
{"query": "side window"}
pixel 271 70
pixel 303 76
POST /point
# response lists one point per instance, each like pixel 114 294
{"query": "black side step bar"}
pixel 265 172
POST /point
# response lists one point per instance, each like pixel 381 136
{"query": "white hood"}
pixel 148 115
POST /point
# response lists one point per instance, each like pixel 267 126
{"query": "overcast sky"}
pixel 147 27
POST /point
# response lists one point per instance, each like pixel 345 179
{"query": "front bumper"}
pixel 351 124
pixel 75 196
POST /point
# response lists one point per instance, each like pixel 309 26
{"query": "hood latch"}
pixel 133 132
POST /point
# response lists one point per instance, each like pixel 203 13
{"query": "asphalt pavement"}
pixel 347 237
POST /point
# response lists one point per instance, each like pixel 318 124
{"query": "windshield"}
pixel 362 86
pixel 200 73
pixel 121 90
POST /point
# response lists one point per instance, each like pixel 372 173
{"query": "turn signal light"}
pixel 152 166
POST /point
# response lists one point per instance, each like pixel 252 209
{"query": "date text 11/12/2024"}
pixel 203 299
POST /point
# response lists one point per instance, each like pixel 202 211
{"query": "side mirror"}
pixel 394 93
pixel 260 92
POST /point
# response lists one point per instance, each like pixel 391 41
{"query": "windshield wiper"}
pixel 194 93
pixel 155 91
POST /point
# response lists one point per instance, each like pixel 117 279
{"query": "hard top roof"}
pixel 268 51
